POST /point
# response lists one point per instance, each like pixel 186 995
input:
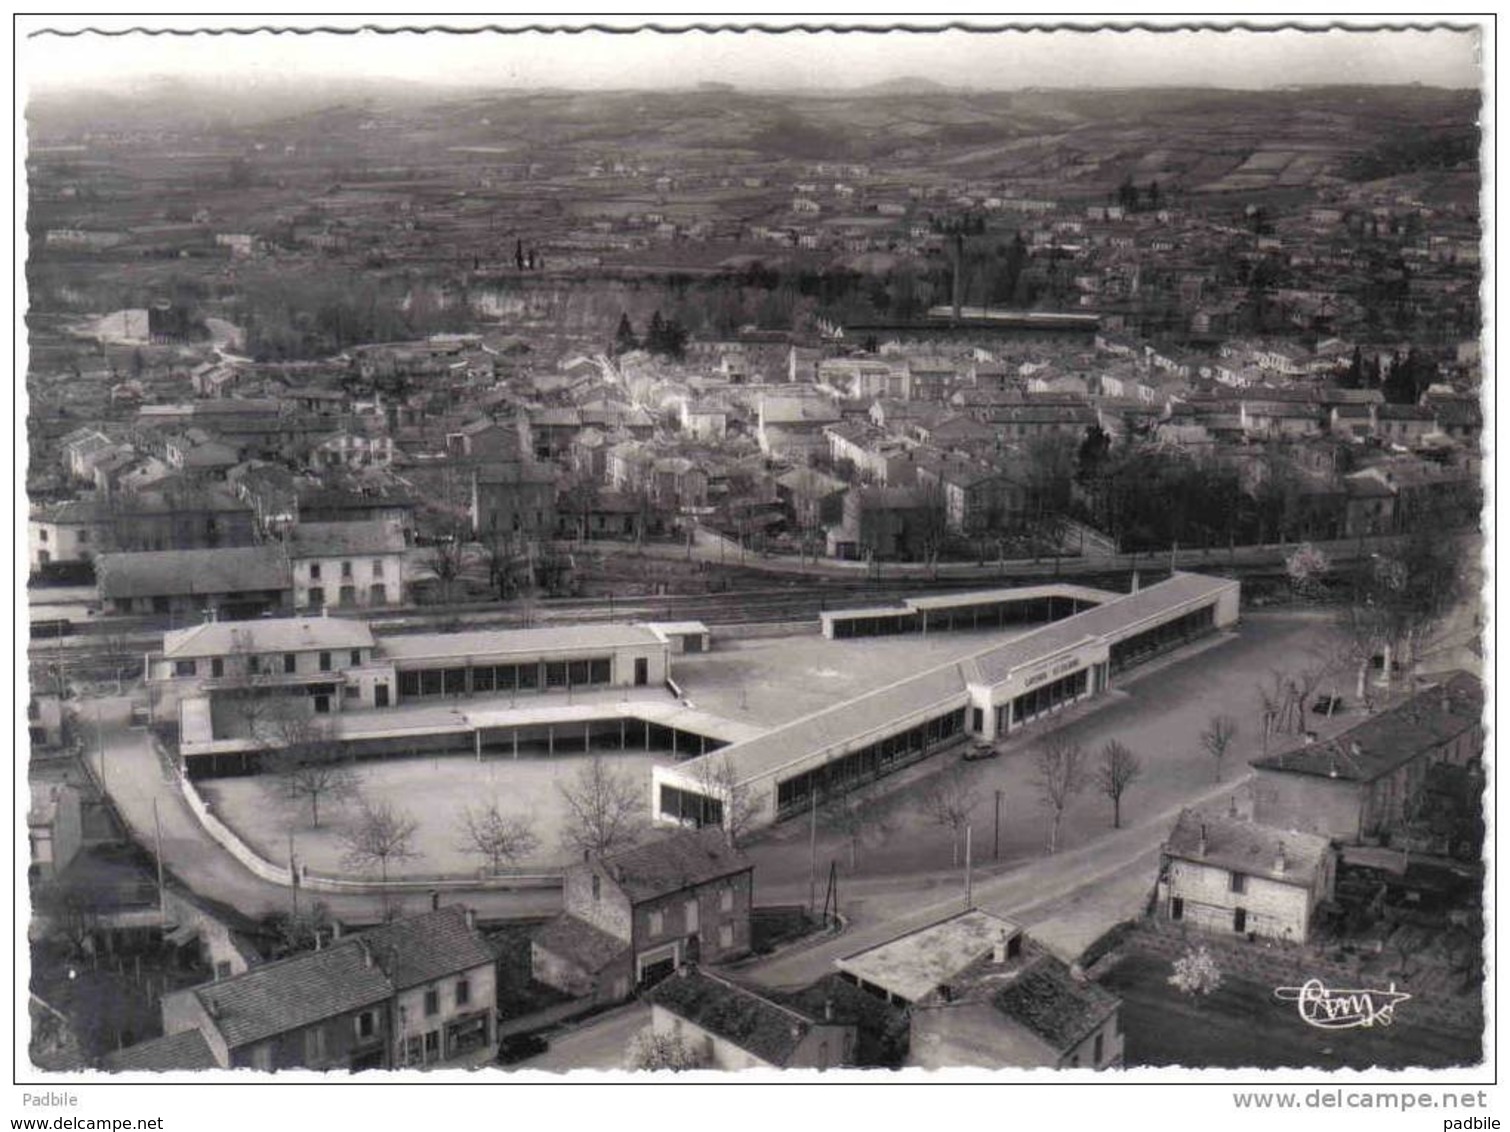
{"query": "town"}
pixel 687 579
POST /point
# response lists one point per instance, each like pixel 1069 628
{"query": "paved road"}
pixel 602 1043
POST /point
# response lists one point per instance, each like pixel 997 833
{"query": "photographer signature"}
pixel 1329 1009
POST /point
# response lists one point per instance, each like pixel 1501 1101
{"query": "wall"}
pixel 711 916
pixel 610 912
pixel 411 1021
pixel 366 570
pixel 1309 803
pixel 183 1011
pixel 1111 1046
pixel 1273 909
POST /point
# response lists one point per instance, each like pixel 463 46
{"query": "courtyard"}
pixel 434 792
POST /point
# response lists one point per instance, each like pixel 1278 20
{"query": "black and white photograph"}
pixel 724 550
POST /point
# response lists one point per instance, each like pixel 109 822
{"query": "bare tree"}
pixel 717 778
pixel 603 810
pixel 379 835
pixel 498 838
pixel 949 799
pixel 446 560
pixel 306 763
pixel 858 818
pixel 1119 769
pixel 70 910
pixel 1059 775
pixel 1218 738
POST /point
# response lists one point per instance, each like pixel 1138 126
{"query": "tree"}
pixel 70 910
pixel 496 837
pixel 1058 775
pixel 650 1050
pixel 294 933
pixel 446 560
pixel 858 818
pixel 1119 769
pixel 379 836
pixel 306 763
pixel 1196 973
pixel 1308 568
pixel 604 810
pixel 948 799
pixel 738 806
pixel 1217 739
pixel 624 339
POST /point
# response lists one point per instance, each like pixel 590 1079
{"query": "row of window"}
pixel 265 665
pixel 314 569
pixel 377 594
pixel 534 676
pixel 880 758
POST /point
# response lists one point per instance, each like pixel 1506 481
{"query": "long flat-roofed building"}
pixel 990 694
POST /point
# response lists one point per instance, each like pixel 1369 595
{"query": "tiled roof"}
pixel 185 1050
pixel 428 947
pixel 1386 741
pixel 590 948
pixel 222 570
pixel 1246 847
pixel 268 635
pixel 673 863
pixel 1050 1002
pixel 293 993
pixel 332 540
pixel 768 1030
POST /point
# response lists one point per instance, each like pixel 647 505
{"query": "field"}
pixel 1243 1025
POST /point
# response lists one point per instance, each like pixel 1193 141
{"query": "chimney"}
pixel 335 930
pixel 999 949
pixel 366 953
pixel 319 939
pixel 435 900
pixel 1281 863
pixel 1232 806
pixel 471 917
pixel 1135 582
pixel 828 1010
pixel 212 1008
pixel 1200 846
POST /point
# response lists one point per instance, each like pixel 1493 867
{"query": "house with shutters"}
pixel 633 918
pixel 349 565
pixel 731 1027
pixel 416 993
pixel 1231 874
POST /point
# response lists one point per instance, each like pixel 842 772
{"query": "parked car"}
pixel 980 749
pixel 518 1047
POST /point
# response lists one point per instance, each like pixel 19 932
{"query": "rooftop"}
pixel 502 642
pixel 671 864
pixel 914 965
pixel 186 1050
pixel 1247 847
pixel 1391 738
pixel 222 570
pixel 754 1023
pixel 267 635
pixel 333 540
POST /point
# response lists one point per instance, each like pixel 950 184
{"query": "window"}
pixel 366 1024
pixel 356 657
pixel 432 1002
pixel 217 666
pixel 1240 920
pixel 657 923
pixel 432 1045
pixel 463 992
pixel 83 534
pixel 377 567
pixel 324 662
pixel 42 534
pixel 726 935
pixel 262 1057
pixel 314 571
pixel 597 886
pixel 316 595
pixel 1177 908
pixel 1237 882
pixel 1098 1049
pixel 345 569
pixel 183 668
pixel 726 900
pixel 555 674
pixel 290 663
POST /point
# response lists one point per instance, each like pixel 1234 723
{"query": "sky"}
pixel 753 59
